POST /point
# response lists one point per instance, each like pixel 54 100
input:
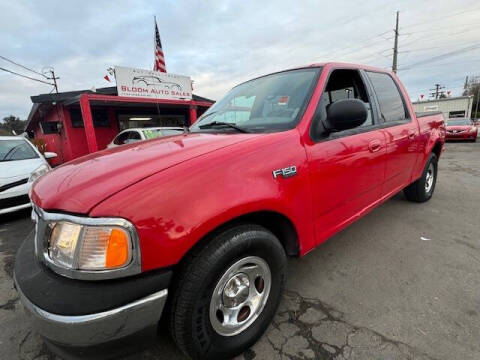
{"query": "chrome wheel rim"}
pixel 240 296
pixel 429 177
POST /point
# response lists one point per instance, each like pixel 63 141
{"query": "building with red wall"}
pixel 77 123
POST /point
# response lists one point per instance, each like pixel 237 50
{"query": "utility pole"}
pixel 395 46
pixel 436 92
pixel 52 72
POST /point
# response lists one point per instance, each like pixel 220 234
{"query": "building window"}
pixel 100 118
pixel 76 118
pixel 49 127
pixel 456 114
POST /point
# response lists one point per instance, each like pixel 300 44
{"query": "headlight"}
pixel 83 247
pixel 41 170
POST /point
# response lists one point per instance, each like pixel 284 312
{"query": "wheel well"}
pixel 277 223
pixel 437 149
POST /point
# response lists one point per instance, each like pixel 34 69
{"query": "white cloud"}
pixel 223 43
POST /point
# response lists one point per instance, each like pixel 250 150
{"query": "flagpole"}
pixel 154 41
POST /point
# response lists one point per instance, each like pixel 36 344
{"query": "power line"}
pixel 25 76
pixel 443 56
pixel 432 48
pixel 22 66
pixel 438 36
pixel 441 18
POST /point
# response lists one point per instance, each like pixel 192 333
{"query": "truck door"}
pixel 346 167
pixel 400 129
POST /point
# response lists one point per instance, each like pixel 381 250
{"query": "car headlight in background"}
pixel 41 170
pixel 83 247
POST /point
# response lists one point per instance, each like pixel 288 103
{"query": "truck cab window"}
pixel 390 101
pixel 346 84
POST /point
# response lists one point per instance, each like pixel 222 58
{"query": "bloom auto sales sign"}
pixel 152 84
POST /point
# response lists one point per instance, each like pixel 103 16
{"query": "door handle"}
pixel 374 145
pixel 411 135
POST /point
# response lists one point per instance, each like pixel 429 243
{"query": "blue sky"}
pixel 222 43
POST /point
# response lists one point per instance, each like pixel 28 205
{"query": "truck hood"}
pixel 79 185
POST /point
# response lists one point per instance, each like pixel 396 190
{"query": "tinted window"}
pixel 122 138
pixel 99 116
pixel 11 150
pixel 49 127
pixel 76 118
pixel 134 135
pixel 391 103
pixel 456 114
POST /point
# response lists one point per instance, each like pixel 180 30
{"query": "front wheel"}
pixel 227 293
pixel 422 189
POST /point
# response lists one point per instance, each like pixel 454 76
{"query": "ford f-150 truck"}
pixel 198 226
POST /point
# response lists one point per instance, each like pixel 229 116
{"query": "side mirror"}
pixel 49 155
pixel 345 114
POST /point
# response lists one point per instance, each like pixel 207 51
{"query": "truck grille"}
pixel 14 201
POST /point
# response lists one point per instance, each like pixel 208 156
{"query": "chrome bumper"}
pixel 99 328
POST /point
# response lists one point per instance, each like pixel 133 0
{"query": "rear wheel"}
pixel 422 189
pixel 227 292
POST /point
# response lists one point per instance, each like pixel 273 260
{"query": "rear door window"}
pixel 391 103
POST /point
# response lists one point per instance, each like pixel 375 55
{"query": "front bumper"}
pixel 15 199
pixel 78 313
pixel 99 328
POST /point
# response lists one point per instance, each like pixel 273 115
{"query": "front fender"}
pixel 174 209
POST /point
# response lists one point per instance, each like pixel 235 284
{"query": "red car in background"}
pixel 461 129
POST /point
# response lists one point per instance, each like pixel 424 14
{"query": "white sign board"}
pixel 152 84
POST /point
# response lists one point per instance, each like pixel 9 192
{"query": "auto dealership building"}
pixel 77 123
pixel 451 107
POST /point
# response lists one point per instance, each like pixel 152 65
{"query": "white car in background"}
pixel 20 165
pixel 129 136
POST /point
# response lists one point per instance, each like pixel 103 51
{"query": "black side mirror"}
pixel 345 114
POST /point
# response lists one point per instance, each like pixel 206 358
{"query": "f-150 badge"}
pixel 285 172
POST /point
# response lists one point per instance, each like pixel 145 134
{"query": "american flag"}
pixel 159 58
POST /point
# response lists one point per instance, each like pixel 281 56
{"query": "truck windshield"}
pixel 271 103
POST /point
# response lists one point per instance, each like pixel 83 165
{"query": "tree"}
pixel 472 88
pixel 12 123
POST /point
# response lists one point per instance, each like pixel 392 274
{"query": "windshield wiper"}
pixel 221 123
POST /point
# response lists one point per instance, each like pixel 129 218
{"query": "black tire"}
pixel 417 191
pixel 193 288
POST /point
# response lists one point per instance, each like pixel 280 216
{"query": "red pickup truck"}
pixel 198 226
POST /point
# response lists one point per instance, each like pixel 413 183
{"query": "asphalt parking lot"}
pixel 401 283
